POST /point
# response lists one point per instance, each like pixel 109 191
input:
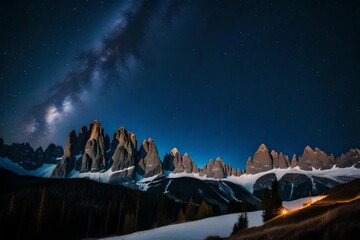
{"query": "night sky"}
pixel 212 78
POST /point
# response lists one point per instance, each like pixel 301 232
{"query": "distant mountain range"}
pixel 92 154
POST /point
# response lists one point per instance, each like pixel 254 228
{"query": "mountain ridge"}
pixel 98 154
pixel 91 154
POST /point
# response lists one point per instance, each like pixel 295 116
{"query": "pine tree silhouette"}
pixel 271 204
pixel 41 211
pixel 107 218
pixel 11 204
pixel 241 223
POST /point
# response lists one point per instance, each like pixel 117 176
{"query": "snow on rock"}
pixel 98 176
pixel 335 173
pixel 144 183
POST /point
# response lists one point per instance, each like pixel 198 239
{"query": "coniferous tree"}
pixel 41 211
pixel 190 211
pixel 241 223
pixel 11 205
pixel 107 218
pixel 119 219
pixel 271 204
pixel 266 205
pixel 275 199
pixel 180 216
pixel 205 210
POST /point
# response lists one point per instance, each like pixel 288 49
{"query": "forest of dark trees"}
pixel 37 208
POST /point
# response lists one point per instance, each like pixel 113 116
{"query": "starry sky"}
pixel 212 78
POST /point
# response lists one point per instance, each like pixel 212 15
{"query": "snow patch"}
pixel 167 185
pixel 97 176
pixel 220 226
pixel 44 171
pixel 248 180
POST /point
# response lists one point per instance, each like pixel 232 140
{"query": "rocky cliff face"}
pixel 264 160
pixel 28 158
pixel 149 163
pixel 94 158
pixel 53 153
pixel 177 164
pixel 123 158
pixel 67 163
pixel 351 158
pixel 315 159
pixel 261 161
pixel 92 150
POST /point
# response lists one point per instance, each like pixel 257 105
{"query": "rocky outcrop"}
pixel 125 138
pixel 275 158
pixel 203 171
pixel 315 159
pixel 149 163
pixel 122 159
pixel 209 173
pixel 349 159
pixel 23 154
pixel 67 163
pixel 293 161
pixel 53 153
pixel 82 138
pixel 124 155
pixel 261 161
pixel 262 183
pixel 92 150
pixel 177 164
pixel 196 169
pixel 294 186
pixel 94 158
pixel 215 169
pixel 39 157
pixel 173 161
pixel 187 163
pixel 218 169
pixel 283 161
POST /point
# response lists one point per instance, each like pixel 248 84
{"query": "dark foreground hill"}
pixel 37 208
pixel 335 217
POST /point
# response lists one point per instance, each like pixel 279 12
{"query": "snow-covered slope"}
pixel 294 183
pixel 335 173
pixel 196 230
pixel 44 171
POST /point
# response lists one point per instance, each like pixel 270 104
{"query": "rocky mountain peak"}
pixel 174 152
pixel 96 130
pixel 148 159
pixel 263 148
pixel 308 149
pixel 125 138
pixel 261 162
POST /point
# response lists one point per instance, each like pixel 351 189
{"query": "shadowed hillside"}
pixel 335 217
pixel 35 208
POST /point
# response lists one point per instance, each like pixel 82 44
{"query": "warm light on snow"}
pixel 217 226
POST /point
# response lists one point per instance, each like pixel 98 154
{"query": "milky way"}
pixel 116 58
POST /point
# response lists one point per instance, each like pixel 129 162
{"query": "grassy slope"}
pixel 335 217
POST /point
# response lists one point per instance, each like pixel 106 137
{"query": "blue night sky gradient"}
pixel 212 78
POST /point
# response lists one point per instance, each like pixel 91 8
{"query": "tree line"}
pixel 81 208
